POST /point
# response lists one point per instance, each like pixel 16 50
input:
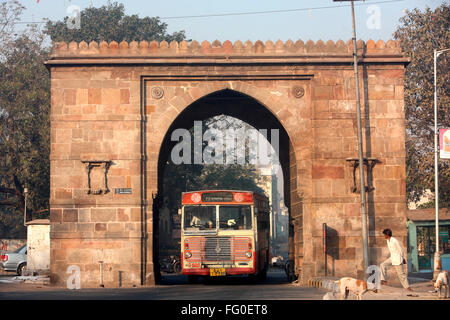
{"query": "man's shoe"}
pixel 409 289
pixel 383 282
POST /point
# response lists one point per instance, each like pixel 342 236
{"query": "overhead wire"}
pixel 251 12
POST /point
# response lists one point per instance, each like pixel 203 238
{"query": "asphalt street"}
pixel 172 287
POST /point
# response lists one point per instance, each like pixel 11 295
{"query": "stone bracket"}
pixel 369 163
pixel 99 183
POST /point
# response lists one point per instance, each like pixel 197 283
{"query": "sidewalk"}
pixel 421 287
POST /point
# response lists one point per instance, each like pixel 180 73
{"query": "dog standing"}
pixel 347 285
pixel 442 284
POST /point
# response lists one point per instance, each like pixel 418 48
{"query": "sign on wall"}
pixel 444 143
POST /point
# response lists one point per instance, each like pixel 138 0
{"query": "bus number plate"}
pixel 217 272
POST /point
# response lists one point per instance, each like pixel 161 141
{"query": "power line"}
pixel 273 11
pixel 253 12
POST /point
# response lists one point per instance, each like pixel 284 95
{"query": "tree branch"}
pixel 7 203
pixel 9 191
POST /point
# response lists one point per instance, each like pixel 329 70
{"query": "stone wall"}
pixel 112 105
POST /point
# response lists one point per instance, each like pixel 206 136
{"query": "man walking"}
pixel 396 260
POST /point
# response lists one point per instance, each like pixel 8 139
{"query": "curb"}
pixel 323 283
pixel 314 283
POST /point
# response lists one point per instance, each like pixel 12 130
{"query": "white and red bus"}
pixel 224 232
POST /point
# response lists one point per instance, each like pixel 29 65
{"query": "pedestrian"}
pixel 397 260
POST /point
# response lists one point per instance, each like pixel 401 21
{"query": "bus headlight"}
pixel 188 254
pixel 248 254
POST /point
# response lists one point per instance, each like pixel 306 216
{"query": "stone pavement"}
pixel 422 290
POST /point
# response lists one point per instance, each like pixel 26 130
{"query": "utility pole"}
pixel 360 147
pixel 437 255
pixel 25 192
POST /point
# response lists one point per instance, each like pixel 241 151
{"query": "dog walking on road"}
pixel 442 284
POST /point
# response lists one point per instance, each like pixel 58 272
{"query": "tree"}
pixel 10 12
pixel 24 123
pixel 419 34
pixel 110 23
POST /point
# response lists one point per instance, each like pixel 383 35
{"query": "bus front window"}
pixel 199 217
pixel 235 217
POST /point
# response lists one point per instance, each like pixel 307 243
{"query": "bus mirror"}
pixel 179 211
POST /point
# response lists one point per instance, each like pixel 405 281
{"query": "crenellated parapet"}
pixel 227 48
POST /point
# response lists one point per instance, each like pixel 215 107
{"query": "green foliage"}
pixel 419 34
pixel 427 205
pixel 110 23
pixel 24 122
pixel 11 224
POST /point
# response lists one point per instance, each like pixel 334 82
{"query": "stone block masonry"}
pixel 113 104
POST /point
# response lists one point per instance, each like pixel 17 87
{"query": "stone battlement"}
pixel 227 48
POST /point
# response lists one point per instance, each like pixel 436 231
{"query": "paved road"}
pixel 174 287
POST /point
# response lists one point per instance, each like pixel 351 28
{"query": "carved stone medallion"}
pixel 157 92
pixel 298 91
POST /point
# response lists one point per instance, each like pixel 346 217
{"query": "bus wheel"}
pixel 193 279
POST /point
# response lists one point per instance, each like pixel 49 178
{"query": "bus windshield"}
pixel 199 217
pixel 235 217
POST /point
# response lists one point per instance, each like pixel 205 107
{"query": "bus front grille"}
pixel 217 249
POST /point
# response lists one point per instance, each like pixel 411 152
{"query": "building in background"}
pixel 272 184
pixel 422 239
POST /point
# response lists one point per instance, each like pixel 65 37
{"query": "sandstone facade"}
pixel 113 104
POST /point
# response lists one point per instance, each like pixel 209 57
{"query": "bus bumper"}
pixel 228 271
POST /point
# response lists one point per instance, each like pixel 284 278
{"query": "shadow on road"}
pixel 274 276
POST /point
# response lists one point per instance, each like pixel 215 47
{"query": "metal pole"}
pixel 360 152
pixel 25 191
pixel 324 235
pixel 437 256
pixel 436 175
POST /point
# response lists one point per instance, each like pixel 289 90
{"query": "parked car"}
pixel 15 261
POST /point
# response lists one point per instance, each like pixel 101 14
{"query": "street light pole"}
pixel 437 256
pixel 25 191
pixel 360 148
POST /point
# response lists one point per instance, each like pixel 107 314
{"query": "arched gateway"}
pixel 114 106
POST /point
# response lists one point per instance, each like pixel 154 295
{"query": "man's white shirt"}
pixel 396 251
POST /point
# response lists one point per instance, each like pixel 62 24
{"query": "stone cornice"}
pixel 193 52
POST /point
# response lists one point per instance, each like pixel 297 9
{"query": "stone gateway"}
pixel 114 106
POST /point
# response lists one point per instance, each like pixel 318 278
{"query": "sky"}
pixel 375 19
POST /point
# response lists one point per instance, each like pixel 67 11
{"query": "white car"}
pixel 15 261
